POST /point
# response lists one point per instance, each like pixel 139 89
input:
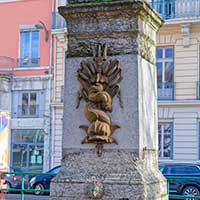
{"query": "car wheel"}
pixel 191 191
pixel 39 187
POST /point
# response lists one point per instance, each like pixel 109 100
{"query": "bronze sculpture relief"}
pixel 99 79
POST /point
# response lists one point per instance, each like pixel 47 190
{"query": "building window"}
pixel 166 8
pixel 29 104
pixel 62 94
pixel 165 132
pixel 29 49
pixel 27 149
pixel 165 73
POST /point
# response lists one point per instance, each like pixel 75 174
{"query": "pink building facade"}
pixel 26 82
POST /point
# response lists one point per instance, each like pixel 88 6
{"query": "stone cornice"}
pixel 32 78
pixel 139 7
pixel 179 103
pixel 114 34
pixel 57 105
pixel 10 1
pixel 127 27
pixel 144 41
pixel 178 21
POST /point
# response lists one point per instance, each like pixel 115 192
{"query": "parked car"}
pixel 42 182
pixel 13 181
pixel 177 186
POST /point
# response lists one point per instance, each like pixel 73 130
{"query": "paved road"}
pixel 27 197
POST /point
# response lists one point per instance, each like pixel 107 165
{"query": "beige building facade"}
pixel 178 64
pixel 60 45
pixel 59 33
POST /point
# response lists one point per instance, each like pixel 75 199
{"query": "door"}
pixel 36 153
pixel 19 157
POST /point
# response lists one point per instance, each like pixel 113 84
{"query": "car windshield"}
pixel 180 169
pixel 185 170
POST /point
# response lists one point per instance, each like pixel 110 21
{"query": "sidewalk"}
pixel 27 197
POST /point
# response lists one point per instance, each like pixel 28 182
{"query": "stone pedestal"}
pixel 127 170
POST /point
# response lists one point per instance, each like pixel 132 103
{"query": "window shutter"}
pixel 16 103
pixel 41 102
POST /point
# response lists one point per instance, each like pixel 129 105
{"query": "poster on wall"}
pixel 4 140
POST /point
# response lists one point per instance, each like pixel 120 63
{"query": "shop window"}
pixel 27 152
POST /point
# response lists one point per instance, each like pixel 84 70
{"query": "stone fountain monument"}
pixel 110 135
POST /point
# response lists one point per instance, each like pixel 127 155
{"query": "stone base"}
pixel 122 173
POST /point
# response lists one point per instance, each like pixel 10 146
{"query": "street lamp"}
pixel 41 25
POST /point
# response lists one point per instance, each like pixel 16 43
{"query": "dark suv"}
pixel 190 187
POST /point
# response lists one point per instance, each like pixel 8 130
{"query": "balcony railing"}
pixel 28 111
pixel 171 9
pixel 58 22
pixel 166 91
pixel 28 62
pixel 9 65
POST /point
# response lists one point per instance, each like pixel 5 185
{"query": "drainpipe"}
pixel 50 92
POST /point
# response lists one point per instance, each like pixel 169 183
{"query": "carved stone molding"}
pixel 185 29
pixel 118 24
pixel 99 79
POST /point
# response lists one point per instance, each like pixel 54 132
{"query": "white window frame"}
pixel 162 140
pixel 20 106
pixel 28 28
pixel 164 60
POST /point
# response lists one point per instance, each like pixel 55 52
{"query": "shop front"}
pixel 27 150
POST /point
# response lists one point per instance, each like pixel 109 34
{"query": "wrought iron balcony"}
pixel 9 65
pixel 166 91
pixel 58 22
pixel 172 9
pixel 28 111
pixel 28 62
